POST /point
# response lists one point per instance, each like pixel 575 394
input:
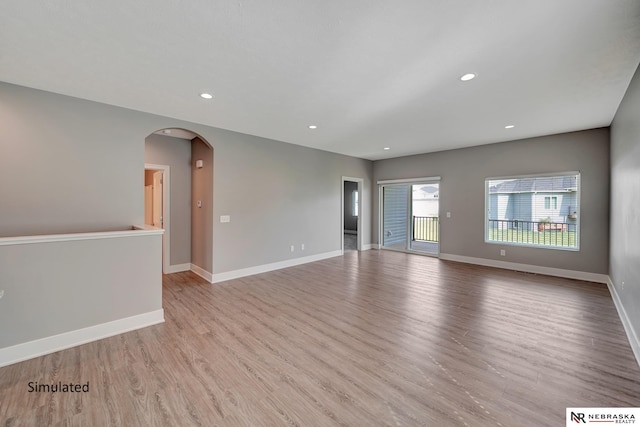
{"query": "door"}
pixel 425 218
pixel 148 204
pixel 158 202
pixel 395 216
pixel 410 217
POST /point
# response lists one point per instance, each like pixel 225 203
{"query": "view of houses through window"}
pixel 534 210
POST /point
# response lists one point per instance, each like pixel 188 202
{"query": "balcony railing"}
pixel 425 228
pixel 542 233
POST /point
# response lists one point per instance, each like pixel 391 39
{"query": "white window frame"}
pixel 532 245
pixel 553 203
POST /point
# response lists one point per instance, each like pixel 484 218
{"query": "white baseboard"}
pixel 632 336
pixel 201 272
pixel 549 271
pixel 29 350
pixel 366 247
pixel 177 268
pixel 235 274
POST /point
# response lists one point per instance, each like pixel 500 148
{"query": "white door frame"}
pixel 166 213
pixel 360 182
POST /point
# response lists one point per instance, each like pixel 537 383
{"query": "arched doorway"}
pixel 179 171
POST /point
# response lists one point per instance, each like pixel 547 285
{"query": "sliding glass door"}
pixel 410 216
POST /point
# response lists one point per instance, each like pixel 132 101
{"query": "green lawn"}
pixel 544 238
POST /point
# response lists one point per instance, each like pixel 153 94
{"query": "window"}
pixel 539 211
pixel 354 203
pixel 548 200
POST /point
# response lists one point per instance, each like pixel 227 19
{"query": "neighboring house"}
pixel 425 200
pixel 534 199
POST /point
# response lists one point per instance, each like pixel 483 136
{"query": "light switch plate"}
pixel 225 218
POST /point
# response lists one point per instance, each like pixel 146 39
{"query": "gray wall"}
pixel 57 287
pixel 463 174
pixel 278 195
pixel 202 218
pixel 350 221
pixel 68 165
pixel 176 153
pixel 625 202
pixel 73 165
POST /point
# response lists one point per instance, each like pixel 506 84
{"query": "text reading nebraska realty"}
pixel 59 387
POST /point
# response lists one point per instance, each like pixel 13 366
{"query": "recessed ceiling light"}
pixel 467 77
pixel 206 95
pixel 313 127
pixel 509 126
pixel 387 148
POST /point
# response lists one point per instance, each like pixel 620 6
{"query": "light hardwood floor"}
pixel 367 339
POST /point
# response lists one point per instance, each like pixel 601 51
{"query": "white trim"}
pixel 166 213
pixel 528 268
pixel 47 238
pixel 367 247
pixel 177 268
pixel 235 274
pixel 202 273
pixel 40 347
pixel 408 180
pixel 632 336
pixel 380 215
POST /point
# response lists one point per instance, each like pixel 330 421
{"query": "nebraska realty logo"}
pixel 581 416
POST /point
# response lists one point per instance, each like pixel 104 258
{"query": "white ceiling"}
pixel 369 73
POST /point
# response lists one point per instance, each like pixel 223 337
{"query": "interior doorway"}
pixel 187 162
pixel 410 219
pixel 157 206
pixel 351 214
pixel 153 198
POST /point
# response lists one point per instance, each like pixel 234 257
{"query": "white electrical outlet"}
pixel 302 247
pixel 503 252
pixel 293 248
pixel 448 214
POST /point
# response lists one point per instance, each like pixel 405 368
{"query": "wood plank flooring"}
pixel 367 339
